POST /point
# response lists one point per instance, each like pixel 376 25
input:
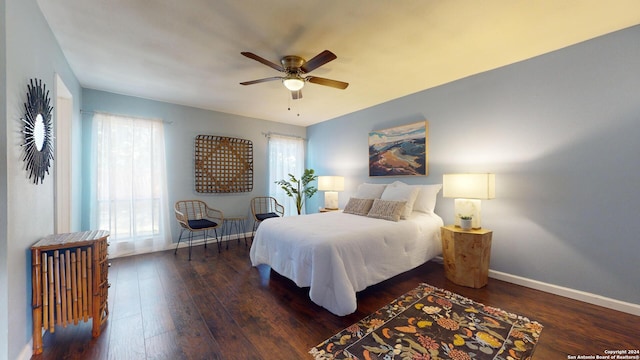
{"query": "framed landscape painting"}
pixel 399 151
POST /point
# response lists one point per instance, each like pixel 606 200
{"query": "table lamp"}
pixel 469 189
pixel 331 185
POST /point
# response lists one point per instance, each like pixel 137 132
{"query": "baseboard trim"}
pixel 27 351
pixel 185 243
pixel 590 298
pixel 211 240
pixel 583 296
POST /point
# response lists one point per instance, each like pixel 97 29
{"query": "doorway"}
pixel 63 149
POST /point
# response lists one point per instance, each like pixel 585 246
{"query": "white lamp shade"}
pixel 469 186
pixel 331 183
pixel 293 83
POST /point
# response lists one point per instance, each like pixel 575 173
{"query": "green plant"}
pixel 465 217
pixel 299 189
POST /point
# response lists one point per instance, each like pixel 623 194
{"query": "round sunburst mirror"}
pixel 38 129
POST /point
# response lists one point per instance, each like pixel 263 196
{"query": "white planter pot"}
pixel 466 224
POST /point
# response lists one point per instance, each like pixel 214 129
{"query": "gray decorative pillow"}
pixel 358 206
pixel 387 209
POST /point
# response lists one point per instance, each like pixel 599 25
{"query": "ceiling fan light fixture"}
pixel 293 83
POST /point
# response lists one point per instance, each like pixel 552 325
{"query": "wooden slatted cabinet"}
pixel 69 275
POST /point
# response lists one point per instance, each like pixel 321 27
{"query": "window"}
pixel 286 156
pixel 129 184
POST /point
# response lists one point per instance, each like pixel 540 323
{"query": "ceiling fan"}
pixel 294 69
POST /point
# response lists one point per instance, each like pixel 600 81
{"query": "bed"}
pixel 336 254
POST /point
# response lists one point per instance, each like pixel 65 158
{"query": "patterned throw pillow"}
pixel 358 206
pixel 386 209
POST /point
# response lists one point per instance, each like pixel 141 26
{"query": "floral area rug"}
pixel 428 323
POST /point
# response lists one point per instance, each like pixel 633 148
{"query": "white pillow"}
pixel 426 200
pixel 370 191
pixel 399 191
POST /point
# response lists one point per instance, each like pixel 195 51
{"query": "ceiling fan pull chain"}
pixel 289 105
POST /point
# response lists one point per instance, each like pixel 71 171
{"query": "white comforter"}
pixel 338 254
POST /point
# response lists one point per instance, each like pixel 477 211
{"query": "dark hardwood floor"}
pixel 219 307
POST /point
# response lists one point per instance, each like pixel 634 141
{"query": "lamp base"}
pixel 468 207
pixel 331 200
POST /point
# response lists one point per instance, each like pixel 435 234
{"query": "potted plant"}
pixel 465 222
pixel 299 189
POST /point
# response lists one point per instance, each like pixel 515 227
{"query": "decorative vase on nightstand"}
pixel 466 222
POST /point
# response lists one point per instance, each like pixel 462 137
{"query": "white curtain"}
pixel 286 156
pixel 129 194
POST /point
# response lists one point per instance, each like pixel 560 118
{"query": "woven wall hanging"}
pixel 223 164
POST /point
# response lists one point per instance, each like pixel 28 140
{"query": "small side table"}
pixel 69 279
pixel 239 223
pixel 466 255
pixel 324 210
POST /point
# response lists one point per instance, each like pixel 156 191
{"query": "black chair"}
pixel 195 216
pixel 264 207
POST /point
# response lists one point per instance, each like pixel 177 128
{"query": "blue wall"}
pixel 561 133
pixel 26 210
pixel 184 124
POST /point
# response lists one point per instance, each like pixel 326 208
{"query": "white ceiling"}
pixel 188 51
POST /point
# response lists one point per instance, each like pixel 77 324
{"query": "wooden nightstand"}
pixel 323 210
pixel 466 255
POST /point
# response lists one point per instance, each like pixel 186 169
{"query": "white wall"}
pixel 185 123
pixel 31 52
pixel 561 133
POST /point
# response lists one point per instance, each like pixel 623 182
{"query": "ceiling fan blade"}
pixel 317 61
pixel 257 58
pixel 295 95
pixel 327 82
pixel 261 80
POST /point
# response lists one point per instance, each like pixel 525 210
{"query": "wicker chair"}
pixel 264 207
pixel 195 216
